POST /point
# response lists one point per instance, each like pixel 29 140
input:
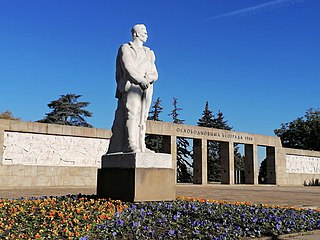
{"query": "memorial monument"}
pixel 130 171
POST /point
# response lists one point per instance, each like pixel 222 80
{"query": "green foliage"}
pixel 8 115
pixel 303 132
pixel 207 119
pixel 239 160
pixel 175 112
pixel 262 178
pixel 214 164
pixel 156 109
pixel 155 142
pixel 183 153
pixel 68 111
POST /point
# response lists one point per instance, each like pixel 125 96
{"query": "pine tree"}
pixel 262 178
pixel 156 109
pixel 155 142
pixel 213 148
pixel 175 112
pixel 183 154
pixel 207 119
pixel 68 111
pixel 220 123
pixel 214 163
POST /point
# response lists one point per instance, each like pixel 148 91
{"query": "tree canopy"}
pixel 155 142
pixel 183 153
pixel 209 120
pixel 68 111
pixel 303 132
pixel 155 111
pixel 8 115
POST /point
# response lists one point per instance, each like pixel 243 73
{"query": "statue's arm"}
pixel 135 76
pixel 153 75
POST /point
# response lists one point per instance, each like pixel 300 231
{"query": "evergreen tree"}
pixel 175 112
pixel 214 163
pixel 220 123
pixel 156 109
pixel 155 142
pixel 68 111
pixel 262 178
pixel 207 119
pixel 183 154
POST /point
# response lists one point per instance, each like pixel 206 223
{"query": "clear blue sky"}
pixel 255 60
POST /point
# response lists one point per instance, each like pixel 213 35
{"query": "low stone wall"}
pixel 302 166
pixel 17 176
pixel 49 155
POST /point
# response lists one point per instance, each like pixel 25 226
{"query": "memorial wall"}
pixel 52 150
pixel 49 155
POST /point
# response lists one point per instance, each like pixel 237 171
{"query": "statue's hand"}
pixel 144 85
pixel 148 78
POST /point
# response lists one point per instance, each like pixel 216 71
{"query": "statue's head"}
pixel 139 31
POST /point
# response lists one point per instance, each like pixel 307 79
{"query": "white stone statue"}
pixel 136 73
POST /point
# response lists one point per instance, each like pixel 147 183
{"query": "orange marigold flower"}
pixel 52 213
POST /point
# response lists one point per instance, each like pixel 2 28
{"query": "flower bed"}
pixel 52 217
pixel 88 218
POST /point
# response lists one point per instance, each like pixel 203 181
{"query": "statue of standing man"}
pixel 136 73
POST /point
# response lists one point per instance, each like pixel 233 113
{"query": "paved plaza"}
pixel 298 196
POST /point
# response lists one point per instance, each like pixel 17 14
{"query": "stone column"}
pixel 1 144
pixel 251 164
pixel 200 161
pixel 280 163
pixel 170 146
pixel 227 162
pixel 271 165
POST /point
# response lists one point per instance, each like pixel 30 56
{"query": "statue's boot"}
pixel 133 132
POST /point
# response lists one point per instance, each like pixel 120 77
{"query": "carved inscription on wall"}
pixel 52 150
pixel 303 164
pixel 214 133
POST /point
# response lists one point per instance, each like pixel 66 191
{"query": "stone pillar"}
pixel 200 161
pixel 227 162
pixel 170 146
pixel 280 163
pixel 271 165
pixel 136 177
pixel 251 164
pixel 1 144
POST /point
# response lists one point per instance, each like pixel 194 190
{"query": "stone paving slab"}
pixel 300 197
pixel 294 196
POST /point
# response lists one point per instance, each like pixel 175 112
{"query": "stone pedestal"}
pixel 137 177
